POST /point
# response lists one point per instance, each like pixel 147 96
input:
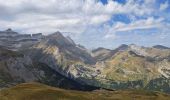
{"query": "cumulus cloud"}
pixel 164 6
pixel 110 36
pixel 142 24
pixel 63 15
pixel 139 24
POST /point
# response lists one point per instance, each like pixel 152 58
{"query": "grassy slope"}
pixel 36 91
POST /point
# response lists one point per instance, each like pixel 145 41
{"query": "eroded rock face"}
pixel 16 67
pixel 14 41
pixel 63 56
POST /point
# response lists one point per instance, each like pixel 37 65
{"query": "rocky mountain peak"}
pixel 58 39
pixel 139 50
pixel 122 47
pixel 99 49
pixel 9 30
pixel 70 40
pixel 57 34
pixel 160 47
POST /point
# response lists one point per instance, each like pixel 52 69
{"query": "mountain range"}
pixel 58 61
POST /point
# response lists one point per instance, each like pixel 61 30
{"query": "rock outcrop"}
pixel 14 41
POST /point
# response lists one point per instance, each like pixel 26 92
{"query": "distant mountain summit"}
pixel 58 38
pixel 9 30
pixel 101 53
pixel 122 47
pixel 8 33
pixel 160 47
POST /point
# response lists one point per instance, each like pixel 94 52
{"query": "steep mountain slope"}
pixel 63 56
pixel 101 54
pixel 137 67
pixel 35 91
pixel 14 67
pixel 57 43
pixel 17 68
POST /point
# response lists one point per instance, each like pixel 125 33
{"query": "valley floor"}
pixel 37 91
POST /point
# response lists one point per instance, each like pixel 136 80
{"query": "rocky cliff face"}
pixel 63 56
pixel 14 68
pixel 17 68
pixel 14 41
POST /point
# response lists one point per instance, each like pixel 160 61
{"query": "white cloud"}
pixel 139 24
pixel 110 36
pixel 142 24
pixel 164 6
pixel 64 15
pixel 99 19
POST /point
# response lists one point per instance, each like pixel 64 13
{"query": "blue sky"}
pixel 92 23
